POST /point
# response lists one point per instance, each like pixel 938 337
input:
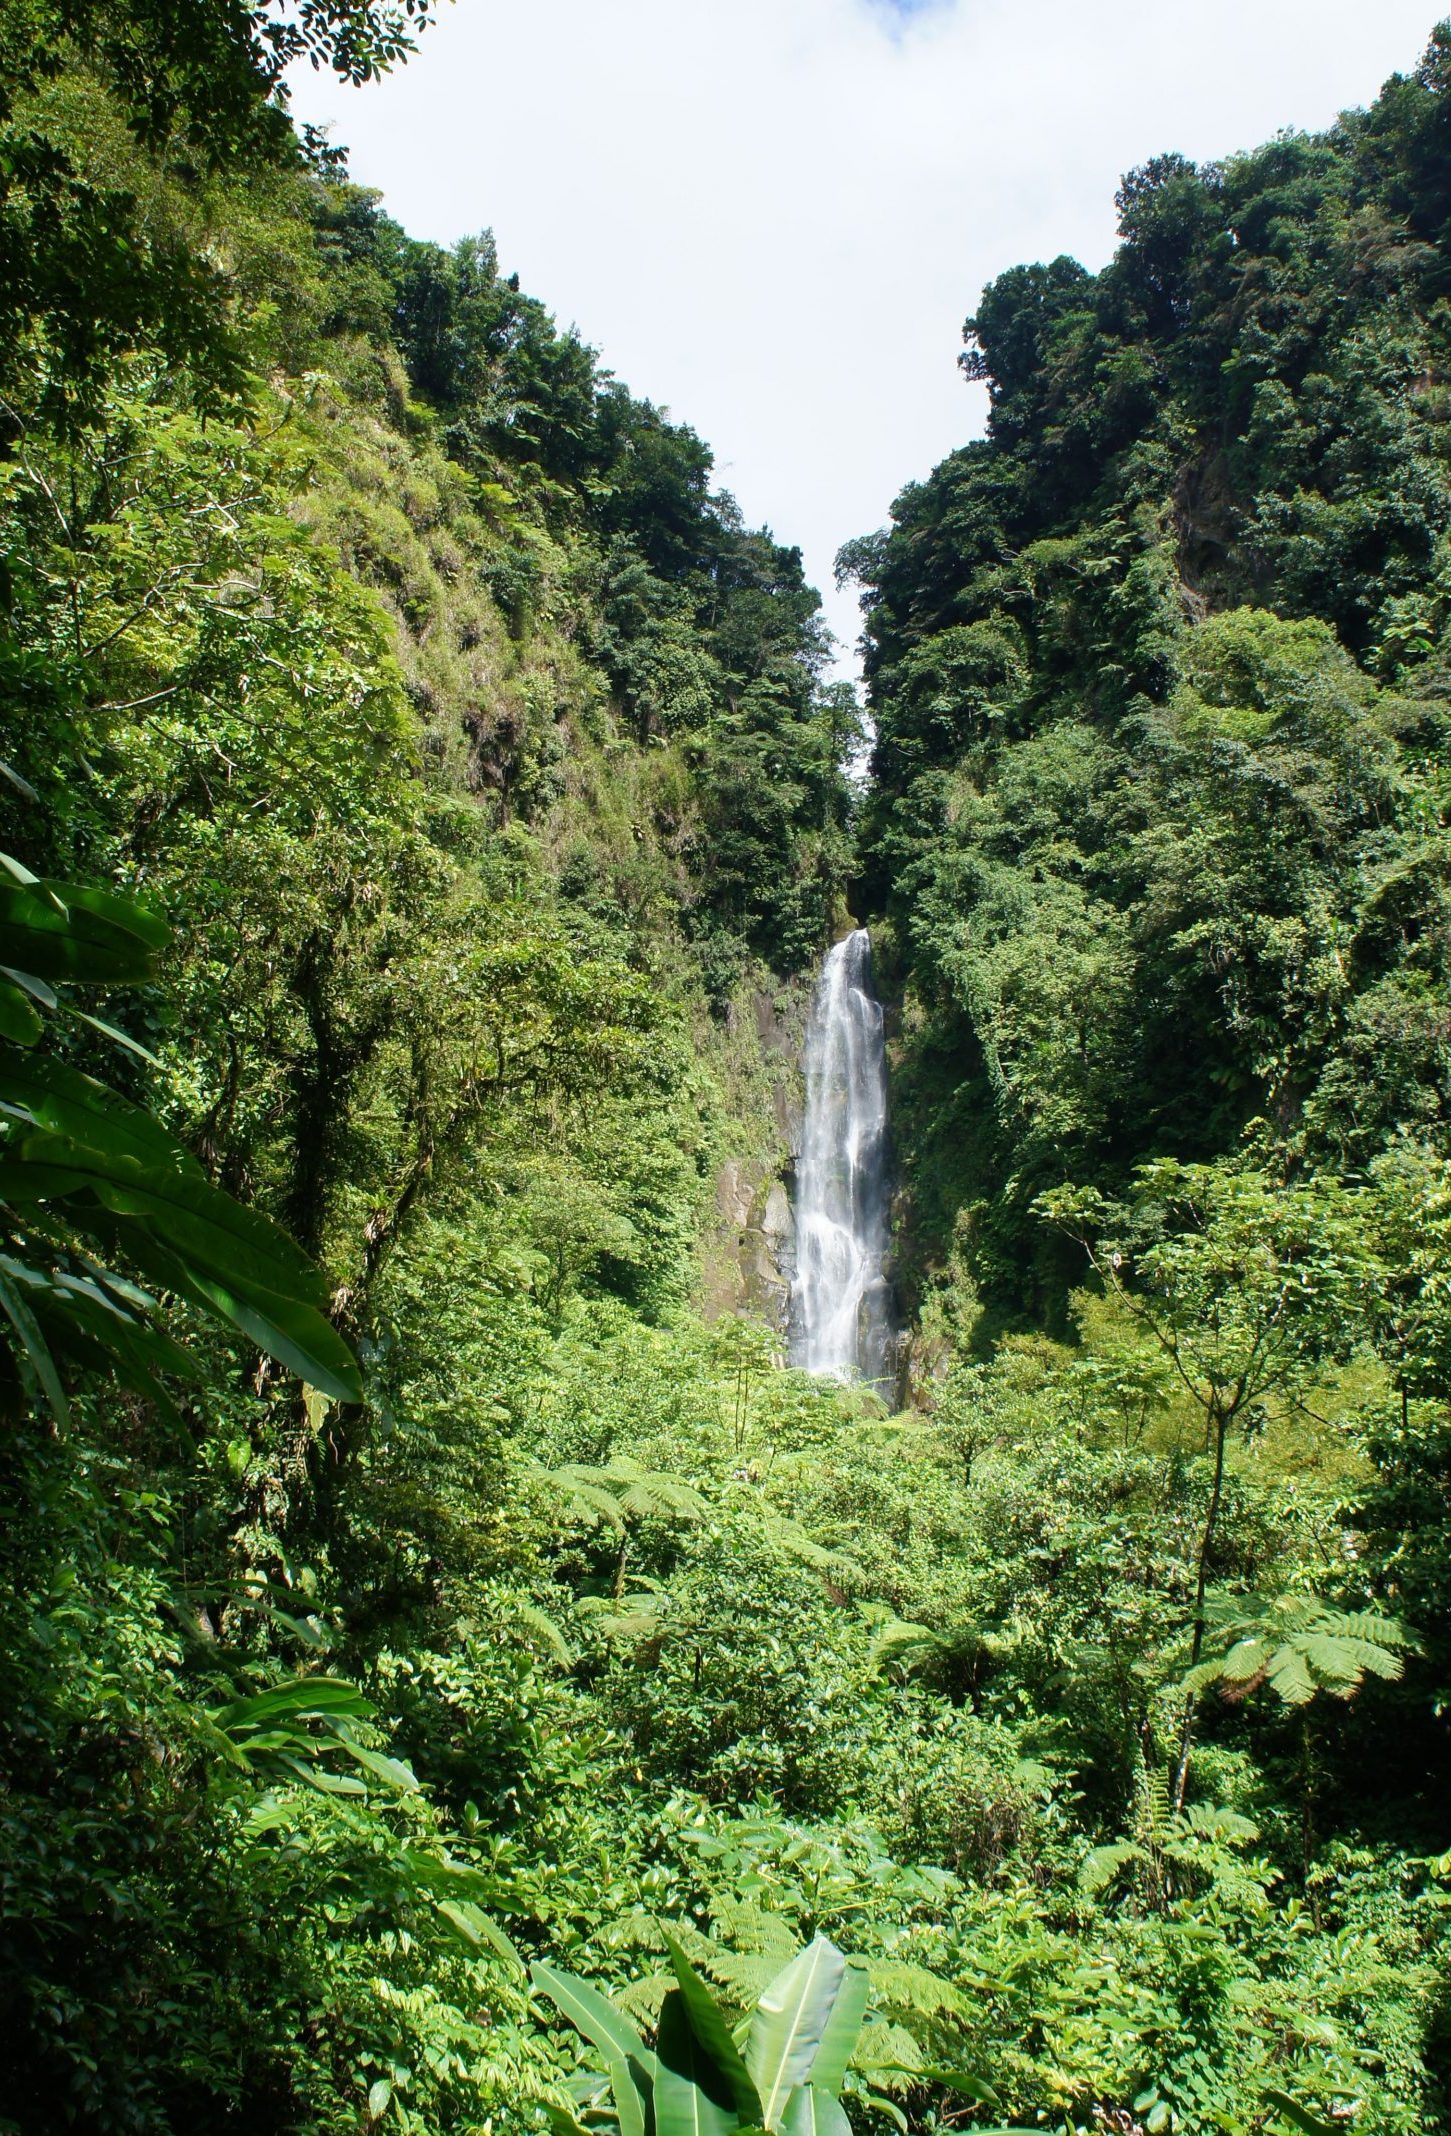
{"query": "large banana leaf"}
pixel 693 2095
pixel 811 2112
pixel 629 2064
pixel 631 2106
pixel 790 2022
pixel 841 2031
pixel 178 1229
pixel 709 2024
pixel 61 931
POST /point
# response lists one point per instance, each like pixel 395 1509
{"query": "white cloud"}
pixel 773 215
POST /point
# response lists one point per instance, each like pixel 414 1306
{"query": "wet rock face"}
pixel 751 1264
pixel 754 1275
pixel 734 1193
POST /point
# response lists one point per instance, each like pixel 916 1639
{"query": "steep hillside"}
pixel 1159 670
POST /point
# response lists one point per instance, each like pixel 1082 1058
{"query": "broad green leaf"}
pixel 692 2092
pixel 842 2031
pixel 298 1336
pixel 61 931
pixel 302 1699
pixel 34 1352
pixel 117 1037
pixel 102 912
pixel 479 1930
pixel 562 2120
pixel 393 1772
pixel 27 792
pixel 630 2104
pixel 1299 2116
pixel 19 1021
pixel 79 1114
pixel 449 1879
pixel 317 1776
pixel 601 2023
pixel 958 2080
pixel 46 996
pixel 789 2023
pixel 813 2112
pixel 182 1232
pixel 714 2033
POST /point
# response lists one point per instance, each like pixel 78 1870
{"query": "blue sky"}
pixel 773 215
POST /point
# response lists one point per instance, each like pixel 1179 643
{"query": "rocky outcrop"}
pixel 750 1263
pixel 754 1272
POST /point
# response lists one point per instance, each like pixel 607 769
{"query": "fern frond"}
pixel 833 1565
pixel 1105 1863
pixel 1154 1806
pixel 540 1622
pixel 912 1990
pixel 589 1502
pixel 751 1928
pixel 1299 1646
pixel 900 1640
pixel 1246 1659
pixel 642 1998
pixel 631 1619
pixel 1210 1821
pixel 1377 1631
pixel 886 2054
pixel 621 1490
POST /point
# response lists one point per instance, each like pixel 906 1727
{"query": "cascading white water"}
pixel 841 1301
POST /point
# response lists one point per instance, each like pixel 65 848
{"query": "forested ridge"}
pixel 453 1674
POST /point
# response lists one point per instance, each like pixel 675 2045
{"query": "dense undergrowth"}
pixel 359 625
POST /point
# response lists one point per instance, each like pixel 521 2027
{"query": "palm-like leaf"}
pixel 708 2022
pixel 694 2096
pixel 85 1172
pixel 619 1491
pixel 802 2035
pixel 790 2022
pixel 1298 1646
pixel 901 1641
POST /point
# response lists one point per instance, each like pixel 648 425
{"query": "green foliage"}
pixel 1156 673
pixel 389 666
pixel 82 1169
pixel 786 2075
pixel 1296 1646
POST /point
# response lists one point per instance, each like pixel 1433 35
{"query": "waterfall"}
pixel 841 1301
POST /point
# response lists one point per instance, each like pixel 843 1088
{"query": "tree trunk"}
pixel 1219 1425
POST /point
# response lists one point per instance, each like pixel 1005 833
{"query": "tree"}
pixel 85 276
pixel 1248 1287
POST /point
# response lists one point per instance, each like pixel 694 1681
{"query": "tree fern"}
pixel 619 1491
pixel 903 1642
pixel 1297 1645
